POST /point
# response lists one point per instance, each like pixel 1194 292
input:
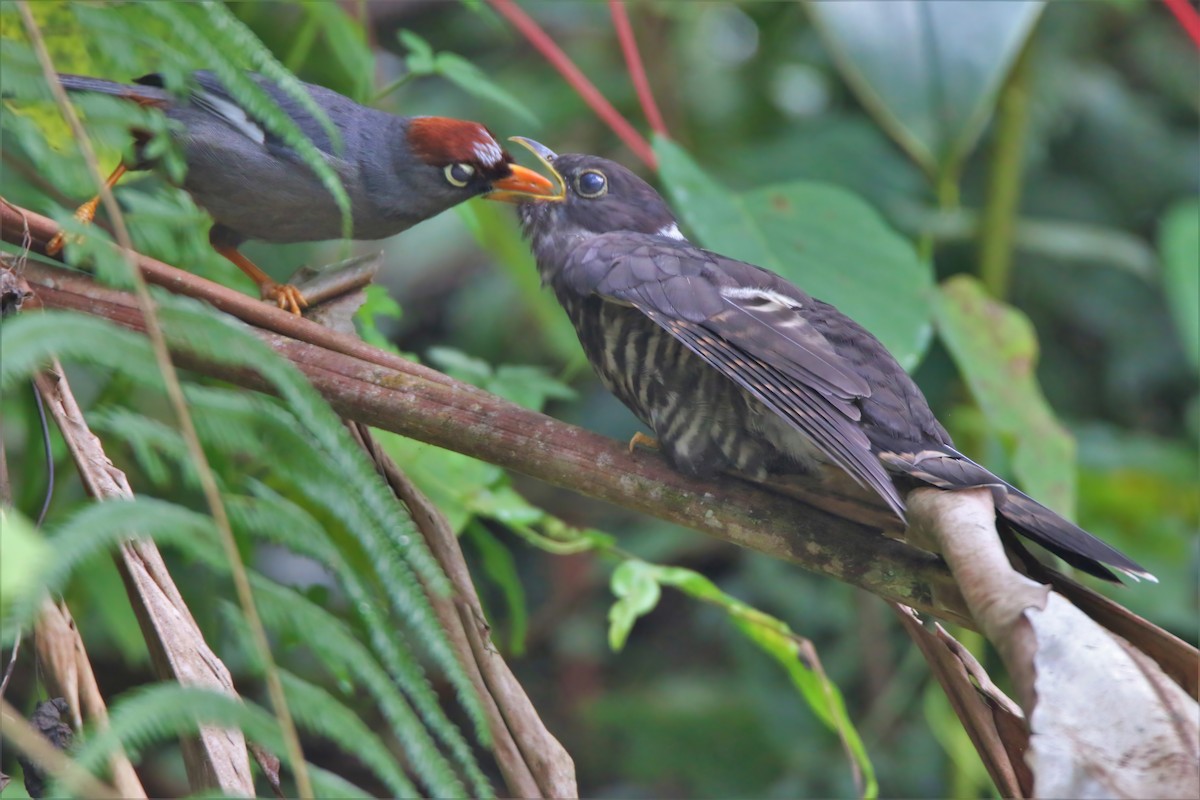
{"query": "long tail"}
pixel 146 95
pixel 949 469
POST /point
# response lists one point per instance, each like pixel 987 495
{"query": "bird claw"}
pixel 645 441
pixel 284 295
pixel 85 214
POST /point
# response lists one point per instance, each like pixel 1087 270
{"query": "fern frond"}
pixel 329 784
pixel 189 325
pixel 192 326
pixel 100 527
pixel 149 440
pixel 144 717
pixel 320 712
pixel 274 518
pixel 338 648
pixel 31 341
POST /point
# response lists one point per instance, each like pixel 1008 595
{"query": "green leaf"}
pixel 458 364
pixel 928 72
pixel 474 81
pixel 501 567
pixel 525 385
pixel 636 586
pixel 528 386
pixel 995 349
pixel 25 554
pixel 1179 244
pixel 379 304
pixel 494 230
pixel 825 240
pixel 420 59
pixel 31 340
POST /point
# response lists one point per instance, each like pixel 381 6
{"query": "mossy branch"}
pixel 829 531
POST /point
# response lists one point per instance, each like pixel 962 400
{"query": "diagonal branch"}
pixel 414 401
pixel 217 757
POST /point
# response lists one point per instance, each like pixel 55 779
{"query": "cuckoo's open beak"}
pixel 525 184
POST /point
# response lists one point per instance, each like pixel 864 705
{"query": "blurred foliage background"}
pixel 758 94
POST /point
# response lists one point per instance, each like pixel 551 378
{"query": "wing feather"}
pixel 749 325
pixel 842 441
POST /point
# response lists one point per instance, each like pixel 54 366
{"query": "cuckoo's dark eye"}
pixel 591 183
pixel 460 174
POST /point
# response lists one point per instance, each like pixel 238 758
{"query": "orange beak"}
pixel 521 184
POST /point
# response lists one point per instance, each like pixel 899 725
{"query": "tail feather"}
pixel 949 469
pixel 147 95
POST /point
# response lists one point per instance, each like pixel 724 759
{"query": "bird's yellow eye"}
pixel 460 174
pixel 591 183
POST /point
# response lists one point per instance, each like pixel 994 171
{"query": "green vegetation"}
pixel 1013 212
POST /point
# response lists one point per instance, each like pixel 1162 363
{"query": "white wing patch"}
pixel 232 113
pixel 671 232
pixel 488 152
pixel 765 299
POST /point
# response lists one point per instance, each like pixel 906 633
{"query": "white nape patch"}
pixel 488 152
pixel 768 299
pixel 232 113
pixel 671 232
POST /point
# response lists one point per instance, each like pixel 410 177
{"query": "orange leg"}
pixel 644 440
pixel 85 213
pixel 284 295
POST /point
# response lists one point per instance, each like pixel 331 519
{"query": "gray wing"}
pixel 750 325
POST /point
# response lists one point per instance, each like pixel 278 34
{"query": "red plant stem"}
pixel 542 42
pixel 637 71
pixel 1188 17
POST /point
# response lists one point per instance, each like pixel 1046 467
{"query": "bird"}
pixel 735 369
pixel 397 170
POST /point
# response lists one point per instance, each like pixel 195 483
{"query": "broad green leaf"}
pixel 1179 246
pixel 825 240
pixel 929 72
pixel 635 584
pixel 995 349
pixel 347 41
pixel 496 233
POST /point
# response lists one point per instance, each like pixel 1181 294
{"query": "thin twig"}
pixel 542 42
pixel 48 451
pixel 208 483
pixel 637 71
pixel 12 663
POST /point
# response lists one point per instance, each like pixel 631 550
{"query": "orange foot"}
pixel 643 440
pixel 85 214
pixel 284 295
